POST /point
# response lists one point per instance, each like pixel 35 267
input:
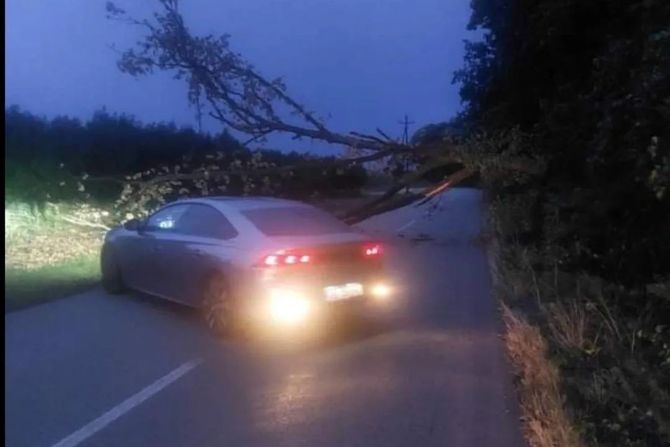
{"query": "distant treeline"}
pixel 41 154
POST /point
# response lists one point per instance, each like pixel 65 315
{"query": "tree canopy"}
pixel 591 82
pixel 66 159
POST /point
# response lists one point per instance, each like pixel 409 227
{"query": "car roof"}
pixel 243 203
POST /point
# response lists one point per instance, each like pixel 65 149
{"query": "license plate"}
pixel 343 292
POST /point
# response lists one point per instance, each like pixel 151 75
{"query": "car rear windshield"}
pixel 295 221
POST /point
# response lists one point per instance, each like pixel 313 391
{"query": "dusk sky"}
pixel 361 63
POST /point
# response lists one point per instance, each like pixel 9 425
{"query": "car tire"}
pixel 112 281
pixel 218 307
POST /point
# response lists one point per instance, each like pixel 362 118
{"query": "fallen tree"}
pixel 233 92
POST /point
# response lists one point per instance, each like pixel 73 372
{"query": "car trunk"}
pixel 333 260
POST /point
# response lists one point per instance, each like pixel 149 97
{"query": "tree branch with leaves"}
pixel 232 91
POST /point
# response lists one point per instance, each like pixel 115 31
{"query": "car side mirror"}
pixel 133 225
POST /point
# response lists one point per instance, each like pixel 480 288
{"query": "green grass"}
pixel 28 287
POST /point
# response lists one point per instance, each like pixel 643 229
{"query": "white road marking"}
pixel 98 424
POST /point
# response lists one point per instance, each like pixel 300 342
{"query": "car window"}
pixel 166 220
pixel 295 221
pixel 205 221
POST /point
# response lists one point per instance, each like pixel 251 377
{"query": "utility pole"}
pixel 405 133
pixel 405 140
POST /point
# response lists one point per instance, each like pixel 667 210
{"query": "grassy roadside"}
pixel 545 420
pixel 592 365
pixel 544 417
pixel 29 287
pixel 46 255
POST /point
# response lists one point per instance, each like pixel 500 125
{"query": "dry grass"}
pixel 46 256
pixel 545 422
pixel 568 323
pixel 34 250
pixel 36 239
pixel 605 383
pixel 27 287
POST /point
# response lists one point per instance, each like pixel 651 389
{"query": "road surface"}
pixel 97 370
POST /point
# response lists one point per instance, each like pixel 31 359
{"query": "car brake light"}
pixel 285 258
pixel 271 260
pixel 372 250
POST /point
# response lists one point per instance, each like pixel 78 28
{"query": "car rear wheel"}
pixel 218 307
pixel 110 271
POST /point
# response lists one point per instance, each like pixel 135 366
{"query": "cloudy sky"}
pixel 361 63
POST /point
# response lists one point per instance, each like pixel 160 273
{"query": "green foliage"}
pixel 612 344
pixel 37 236
pixel 46 159
pixel 588 82
pixel 65 160
pixel 619 383
pixel 27 287
pixel 591 82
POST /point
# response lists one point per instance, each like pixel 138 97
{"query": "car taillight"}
pixel 372 250
pixel 286 258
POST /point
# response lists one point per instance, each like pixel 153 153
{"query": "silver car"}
pixel 261 260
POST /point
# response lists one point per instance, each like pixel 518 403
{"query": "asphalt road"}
pixel 97 370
